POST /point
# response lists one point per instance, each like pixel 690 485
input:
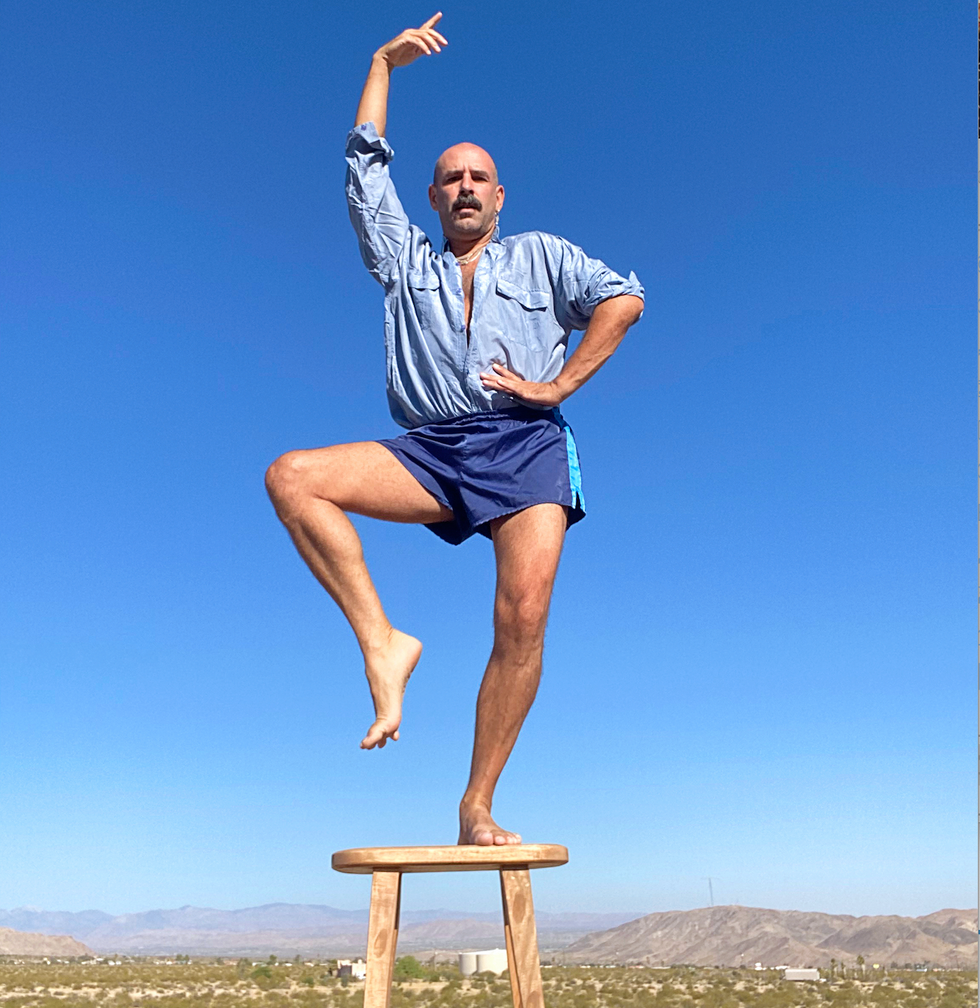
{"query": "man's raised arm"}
pixel 400 51
pixel 378 217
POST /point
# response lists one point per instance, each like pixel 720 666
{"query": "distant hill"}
pixel 53 921
pixel 27 944
pixel 737 935
pixel 95 925
pixel 288 927
pixel 711 936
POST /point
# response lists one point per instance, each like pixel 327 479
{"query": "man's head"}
pixel 465 191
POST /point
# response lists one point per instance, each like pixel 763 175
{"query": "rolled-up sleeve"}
pixel 582 283
pixel 375 210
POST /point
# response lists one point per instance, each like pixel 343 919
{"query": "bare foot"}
pixel 387 669
pixel 476 826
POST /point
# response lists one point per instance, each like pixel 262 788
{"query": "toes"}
pixel 378 735
pixel 490 836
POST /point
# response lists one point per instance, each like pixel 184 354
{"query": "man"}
pixel 475 335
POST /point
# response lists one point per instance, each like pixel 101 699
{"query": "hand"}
pixel 539 393
pixel 412 42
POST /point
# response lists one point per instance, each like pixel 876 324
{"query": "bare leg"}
pixel 528 545
pixel 311 490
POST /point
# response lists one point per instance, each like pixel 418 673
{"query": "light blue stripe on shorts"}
pixel 574 469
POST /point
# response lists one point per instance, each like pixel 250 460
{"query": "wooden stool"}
pixel 386 865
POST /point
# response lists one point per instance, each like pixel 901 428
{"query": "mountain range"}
pixel 737 935
pixel 288 927
pixel 709 936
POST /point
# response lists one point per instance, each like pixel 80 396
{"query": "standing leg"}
pixel 523 960
pixel 311 490
pixel 386 895
pixel 528 545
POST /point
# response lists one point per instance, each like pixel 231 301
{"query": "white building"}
pixel 356 968
pixel 488 961
pixel 801 974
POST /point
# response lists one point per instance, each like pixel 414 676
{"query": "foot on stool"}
pixel 476 826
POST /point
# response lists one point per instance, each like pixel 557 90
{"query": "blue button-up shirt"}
pixel 529 292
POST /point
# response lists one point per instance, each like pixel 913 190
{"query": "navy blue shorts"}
pixel 486 465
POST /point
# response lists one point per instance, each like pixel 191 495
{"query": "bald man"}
pixel 476 332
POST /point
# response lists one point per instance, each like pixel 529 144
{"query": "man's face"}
pixel 465 192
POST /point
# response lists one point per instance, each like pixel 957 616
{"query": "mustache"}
pixel 467 201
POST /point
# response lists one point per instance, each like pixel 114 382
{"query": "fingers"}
pixel 540 393
pixel 496 384
pixel 433 36
pixel 502 380
pixel 413 42
pixel 501 374
pixel 426 39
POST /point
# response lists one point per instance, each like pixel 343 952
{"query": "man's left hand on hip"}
pixel 537 393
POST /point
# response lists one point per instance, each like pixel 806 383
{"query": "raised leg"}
pixel 523 961
pixel 311 490
pixel 386 890
pixel 528 546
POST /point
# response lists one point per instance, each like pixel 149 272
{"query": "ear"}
pixel 500 197
pixel 432 198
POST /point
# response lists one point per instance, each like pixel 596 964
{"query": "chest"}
pixel 468 272
pixel 444 301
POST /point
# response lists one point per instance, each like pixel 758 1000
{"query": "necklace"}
pixel 473 253
pixel 470 256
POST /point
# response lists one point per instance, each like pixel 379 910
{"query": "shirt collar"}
pixel 495 237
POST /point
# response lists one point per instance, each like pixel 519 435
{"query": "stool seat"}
pixel 386 865
pixel 458 857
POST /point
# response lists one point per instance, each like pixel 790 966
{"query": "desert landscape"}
pixel 708 936
pixel 305 984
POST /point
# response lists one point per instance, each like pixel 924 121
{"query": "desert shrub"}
pixel 715 997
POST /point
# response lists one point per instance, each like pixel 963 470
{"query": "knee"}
pixel 287 477
pixel 521 619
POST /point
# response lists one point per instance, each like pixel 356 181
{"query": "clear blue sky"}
pixel 759 664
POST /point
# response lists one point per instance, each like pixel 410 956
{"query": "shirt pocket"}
pixel 529 316
pixel 424 291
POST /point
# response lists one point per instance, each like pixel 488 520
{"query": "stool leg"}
pixel 386 889
pixel 515 986
pixel 522 938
